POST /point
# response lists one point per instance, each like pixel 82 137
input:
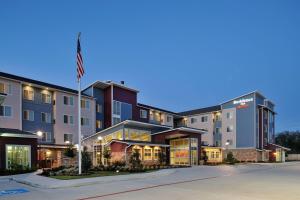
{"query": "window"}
pixel 85 121
pixel 5 88
pixel 229 115
pixel 28 94
pixel 99 108
pixel 230 128
pixel 217 130
pixel 46 137
pixel 204 119
pixel 68 138
pixel 46 98
pixel 18 154
pixel 68 119
pixel 137 135
pixel 193 120
pixel 218 116
pixel 46 117
pixel 85 104
pixel 169 118
pixel 28 115
pixel 98 124
pixel 157 151
pixel 147 153
pixel 116 120
pixel 6 111
pixel 212 154
pixel 69 100
pixel 117 108
pixel 217 154
pixel 143 114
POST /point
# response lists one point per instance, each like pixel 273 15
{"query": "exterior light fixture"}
pixel 67 142
pixel 39 133
pixel 100 138
pixel 227 143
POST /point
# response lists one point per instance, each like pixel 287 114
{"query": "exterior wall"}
pixel 245 155
pixel 143 119
pixel 98 94
pixel 229 136
pixel 15 101
pixel 17 141
pixel 207 138
pixel 117 151
pixel 37 106
pixel 60 128
pixel 245 121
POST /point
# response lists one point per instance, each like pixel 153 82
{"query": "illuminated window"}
pixel 46 98
pixel 5 88
pixel 18 155
pixel 147 153
pixel 85 104
pixel 98 124
pixel 68 138
pixel 28 94
pixel 157 151
pixel 99 108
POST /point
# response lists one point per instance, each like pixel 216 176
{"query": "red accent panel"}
pixel 117 147
pixel 107 107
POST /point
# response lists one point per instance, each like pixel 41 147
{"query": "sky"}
pixel 180 55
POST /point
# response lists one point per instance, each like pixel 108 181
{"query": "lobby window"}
pixel 99 108
pixel 147 153
pixel 68 138
pixel 157 151
pixel 85 104
pixel 18 154
pixel 193 120
pixel 143 114
pixel 46 137
pixel 204 119
pixel 85 121
pixel 28 94
pixel 28 115
pixel 6 111
pixel 46 98
pixel 69 100
pixel 169 118
pixel 212 154
pixel 229 129
pixel 98 124
pixel 68 119
pixel 46 117
pixel 229 115
pixel 5 88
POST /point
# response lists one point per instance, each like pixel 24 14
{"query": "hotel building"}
pixel 244 125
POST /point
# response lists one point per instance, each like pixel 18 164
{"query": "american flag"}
pixel 80 70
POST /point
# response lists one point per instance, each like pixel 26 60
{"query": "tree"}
pixel 69 153
pixel 86 160
pixel 290 139
pixel 135 161
pixel 230 158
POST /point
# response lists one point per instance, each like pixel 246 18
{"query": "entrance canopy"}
pixel 7 132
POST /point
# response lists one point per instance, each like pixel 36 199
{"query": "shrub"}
pixel 69 152
pixel 230 158
pixel 135 162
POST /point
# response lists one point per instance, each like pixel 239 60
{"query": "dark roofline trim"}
pixel 37 82
pixel 201 110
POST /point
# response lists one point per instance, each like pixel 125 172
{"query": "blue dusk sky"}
pixel 180 55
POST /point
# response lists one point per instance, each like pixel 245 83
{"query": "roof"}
pixel 105 84
pixel 131 142
pixel 39 83
pixel 155 108
pixel 201 110
pixel 7 132
pixel 186 129
pixel 129 122
pixel 282 147
pixel 2 94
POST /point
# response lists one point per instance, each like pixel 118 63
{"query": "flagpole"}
pixel 79 122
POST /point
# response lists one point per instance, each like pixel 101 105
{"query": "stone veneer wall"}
pixel 245 155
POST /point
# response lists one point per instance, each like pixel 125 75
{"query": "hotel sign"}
pixel 242 103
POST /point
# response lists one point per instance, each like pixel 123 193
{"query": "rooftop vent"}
pixel 123 82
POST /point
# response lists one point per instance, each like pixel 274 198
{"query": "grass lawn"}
pixel 96 174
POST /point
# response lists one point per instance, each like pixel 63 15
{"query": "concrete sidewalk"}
pixel 38 181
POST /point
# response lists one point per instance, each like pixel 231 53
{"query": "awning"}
pixel 7 132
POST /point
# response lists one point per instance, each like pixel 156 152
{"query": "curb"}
pixel 89 181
